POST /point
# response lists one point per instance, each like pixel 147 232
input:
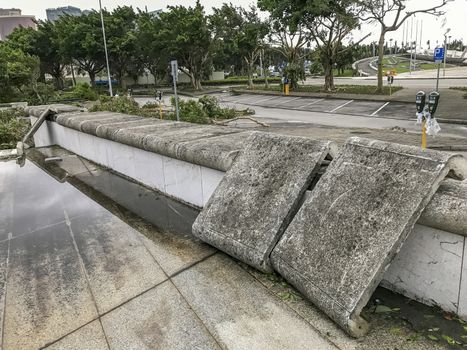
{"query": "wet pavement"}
pixel 90 260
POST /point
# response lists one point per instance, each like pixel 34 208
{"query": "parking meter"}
pixel 159 95
pixel 433 100
pixel 420 100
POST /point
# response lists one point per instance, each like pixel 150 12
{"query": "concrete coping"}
pixel 210 146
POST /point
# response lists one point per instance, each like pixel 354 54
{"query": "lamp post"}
pixel 105 50
pixel 445 53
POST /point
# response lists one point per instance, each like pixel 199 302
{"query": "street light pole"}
pixel 445 53
pixel 105 50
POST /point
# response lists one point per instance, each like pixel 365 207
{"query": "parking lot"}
pixel 377 109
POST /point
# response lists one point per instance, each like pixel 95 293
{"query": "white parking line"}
pixel 339 107
pixel 379 109
pixel 282 102
pixel 243 98
pixel 311 103
pixel 266 99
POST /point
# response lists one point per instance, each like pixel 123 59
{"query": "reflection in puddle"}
pixel 121 196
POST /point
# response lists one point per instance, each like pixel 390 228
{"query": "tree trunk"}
pixel 73 73
pixel 328 76
pixel 380 62
pixel 92 77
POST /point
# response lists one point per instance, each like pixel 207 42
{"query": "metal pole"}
pixel 176 97
pixel 261 62
pixel 411 44
pixel 445 54
pixel 105 49
pixel 416 41
pixel 437 78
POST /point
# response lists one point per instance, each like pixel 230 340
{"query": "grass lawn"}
pixel 347 73
pixel 340 89
pixel 402 65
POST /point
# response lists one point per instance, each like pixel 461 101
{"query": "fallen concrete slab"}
pixel 256 199
pixel 347 232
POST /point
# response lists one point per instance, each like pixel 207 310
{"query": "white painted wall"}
pixel 431 266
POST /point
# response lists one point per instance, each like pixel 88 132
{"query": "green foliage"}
pixel 202 111
pixel 12 129
pixel 119 104
pixel 340 89
pixel 17 72
pixel 81 91
pixel 186 36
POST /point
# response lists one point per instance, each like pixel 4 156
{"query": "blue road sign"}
pixel 439 54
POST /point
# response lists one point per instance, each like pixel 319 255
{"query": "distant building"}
pixel 11 19
pixel 54 14
pixel 10 12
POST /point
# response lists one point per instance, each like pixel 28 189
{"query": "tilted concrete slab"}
pixel 256 199
pixel 347 232
pixel 108 130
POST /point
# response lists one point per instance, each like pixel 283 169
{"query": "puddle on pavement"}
pixel 38 194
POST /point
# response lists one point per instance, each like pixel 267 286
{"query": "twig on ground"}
pixel 225 122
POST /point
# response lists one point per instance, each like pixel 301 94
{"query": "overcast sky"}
pixel 456 14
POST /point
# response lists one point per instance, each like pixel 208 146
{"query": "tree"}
pixel 45 44
pixel 81 42
pixel 150 50
pixel 328 23
pixel 17 70
pixel 290 41
pixel 186 36
pixel 238 35
pixel 120 28
pixel 390 15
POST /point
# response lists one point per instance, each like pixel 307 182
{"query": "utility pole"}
pixel 416 42
pixel 445 52
pixel 411 44
pixel 105 50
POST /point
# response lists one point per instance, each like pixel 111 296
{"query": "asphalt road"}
pixel 334 112
pixel 425 83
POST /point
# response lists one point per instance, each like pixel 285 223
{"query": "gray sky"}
pixel 456 14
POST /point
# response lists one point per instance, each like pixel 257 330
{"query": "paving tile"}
pixel 89 337
pixel 174 251
pixel 158 319
pixel 239 311
pixel 462 311
pixel 117 263
pixel 48 296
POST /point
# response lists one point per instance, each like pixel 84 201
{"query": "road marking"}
pixel 266 99
pixel 282 102
pixel 311 103
pixel 243 98
pixel 379 109
pixel 339 107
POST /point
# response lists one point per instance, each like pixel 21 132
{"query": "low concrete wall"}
pixel 429 267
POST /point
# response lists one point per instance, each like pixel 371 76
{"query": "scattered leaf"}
pixel 380 309
pixel 464 336
pixel 448 316
pixel 433 330
pixel 429 316
pixel 465 328
pixel 449 340
pixel 395 330
pixel 396 309
pixel 432 337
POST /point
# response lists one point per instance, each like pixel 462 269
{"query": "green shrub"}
pixel 118 104
pixel 12 129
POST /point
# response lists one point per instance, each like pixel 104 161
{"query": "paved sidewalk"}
pixel 87 275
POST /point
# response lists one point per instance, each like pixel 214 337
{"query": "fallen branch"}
pixel 225 122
